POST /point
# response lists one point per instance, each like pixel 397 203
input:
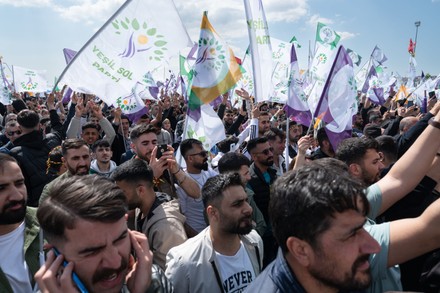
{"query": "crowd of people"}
pixel 94 200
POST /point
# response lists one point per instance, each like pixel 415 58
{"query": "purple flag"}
pixel 68 55
pixel 338 103
pixel 136 116
pixel 371 73
pixel 297 100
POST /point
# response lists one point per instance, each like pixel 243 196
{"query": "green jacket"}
pixel 31 248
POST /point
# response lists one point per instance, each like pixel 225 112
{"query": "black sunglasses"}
pixel 202 154
pixel 11 133
pixel 266 151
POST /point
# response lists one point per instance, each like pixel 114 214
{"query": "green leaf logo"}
pixel 142 39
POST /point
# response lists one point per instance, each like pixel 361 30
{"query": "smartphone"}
pixel 75 277
pixel 160 150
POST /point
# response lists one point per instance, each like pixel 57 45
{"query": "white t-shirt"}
pixel 12 261
pixel 236 272
pixel 193 208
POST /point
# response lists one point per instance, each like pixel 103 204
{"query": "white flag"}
pixel 260 49
pixel 29 80
pixel 205 125
pixel 138 38
pixel 280 71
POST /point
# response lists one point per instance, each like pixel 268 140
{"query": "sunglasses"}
pixel 11 133
pixel 266 152
pixel 202 154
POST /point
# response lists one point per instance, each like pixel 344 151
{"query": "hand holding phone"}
pixel 56 275
pixel 160 150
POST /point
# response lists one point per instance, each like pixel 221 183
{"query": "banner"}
pixel 138 38
pixel 29 80
pixel 280 72
pixel 260 49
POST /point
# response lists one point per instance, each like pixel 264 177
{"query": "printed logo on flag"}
pixel 127 103
pixel 214 54
pixel 322 58
pixel 142 38
pixel 29 85
pixel 327 35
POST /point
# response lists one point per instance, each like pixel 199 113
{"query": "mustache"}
pixel 105 273
pixel 359 261
pixel 13 203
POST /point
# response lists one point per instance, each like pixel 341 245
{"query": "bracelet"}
pixel 180 182
pixel 433 123
pixel 178 170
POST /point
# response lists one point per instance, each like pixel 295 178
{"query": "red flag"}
pixel 411 47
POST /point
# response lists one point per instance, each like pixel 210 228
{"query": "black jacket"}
pixel 31 151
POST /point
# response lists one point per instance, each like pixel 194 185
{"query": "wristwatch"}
pixel 436 124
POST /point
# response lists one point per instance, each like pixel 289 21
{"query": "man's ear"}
pixel 355 170
pixel 212 212
pixel 300 250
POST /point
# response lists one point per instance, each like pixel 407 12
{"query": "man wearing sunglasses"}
pixel 262 178
pixel 197 168
pixel 12 132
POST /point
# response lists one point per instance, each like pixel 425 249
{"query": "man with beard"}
pixel 262 178
pixel 84 219
pixel 295 133
pixel 19 245
pixel 102 163
pixel 157 216
pixel 318 215
pixel 76 158
pixel 197 168
pixel 226 256
pixel 166 170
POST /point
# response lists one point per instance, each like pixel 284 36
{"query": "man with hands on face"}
pixel 84 219
pixel 144 143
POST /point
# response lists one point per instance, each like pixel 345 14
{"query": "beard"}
pixel 202 166
pixel 235 227
pixel 325 273
pixel 268 162
pixel 79 170
pixel 14 216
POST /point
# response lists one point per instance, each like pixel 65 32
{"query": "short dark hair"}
pixel 90 197
pixel 304 202
pixel 353 149
pixel 321 136
pixel 187 144
pixel 90 125
pixel 232 162
pixel 4 158
pixel 28 119
pixel 72 143
pixel 141 129
pixel 133 171
pixel 387 146
pixel 212 190
pixel 252 143
pixel 273 133
pixel 100 143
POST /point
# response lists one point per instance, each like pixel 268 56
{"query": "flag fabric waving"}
pixel 260 49
pixel 297 102
pixel 29 80
pixel 325 51
pixel 215 71
pixel 355 57
pixel 338 102
pixel 139 37
pixel 5 92
pixel 280 72
pixel 378 55
pixel 411 48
